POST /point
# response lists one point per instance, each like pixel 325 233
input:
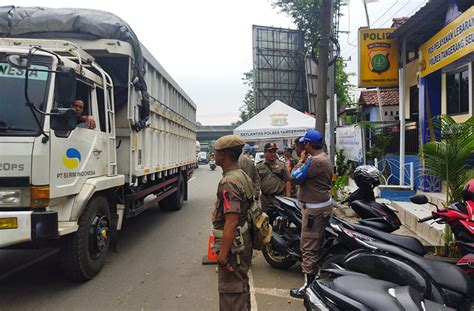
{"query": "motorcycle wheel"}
pixel 276 260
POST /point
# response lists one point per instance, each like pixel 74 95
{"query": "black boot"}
pixel 299 292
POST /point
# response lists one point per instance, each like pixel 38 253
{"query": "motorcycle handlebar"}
pixel 427 218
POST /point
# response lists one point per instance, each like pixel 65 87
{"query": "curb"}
pixel 409 215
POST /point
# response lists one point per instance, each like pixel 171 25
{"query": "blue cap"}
pixel 300 139
pixel 313 136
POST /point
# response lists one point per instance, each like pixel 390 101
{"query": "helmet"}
pixel 367 175
pixel 468 192
pixel 314 137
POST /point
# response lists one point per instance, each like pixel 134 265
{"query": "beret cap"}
pixel 229 141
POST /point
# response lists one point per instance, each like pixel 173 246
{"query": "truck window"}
pixel 83 93
pixel 16 119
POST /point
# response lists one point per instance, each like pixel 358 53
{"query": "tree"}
pixel 247 110
pixel 447 159
pixel 305 15
pixel 342 85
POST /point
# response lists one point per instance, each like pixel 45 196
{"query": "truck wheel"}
pixel 83 252
pixel 175 201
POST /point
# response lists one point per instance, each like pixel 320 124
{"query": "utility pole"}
pixel 366 13
pixel 326 19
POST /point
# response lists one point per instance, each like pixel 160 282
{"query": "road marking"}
pixel 253 299
pixel 192 178
pixel 276 292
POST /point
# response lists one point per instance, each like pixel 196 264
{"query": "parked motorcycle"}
pixel 460 218
pixel 348 290
pixel 212 164
pixel 284 249
pixel 439 281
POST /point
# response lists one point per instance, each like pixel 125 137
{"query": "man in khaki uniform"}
pixel 274 177
pixel 247 165
pixel 230 227
pixel 314 177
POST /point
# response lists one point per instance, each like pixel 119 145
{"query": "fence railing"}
pixel 390 169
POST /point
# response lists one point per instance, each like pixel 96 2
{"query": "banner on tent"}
pixel 349 139
pixel 272 133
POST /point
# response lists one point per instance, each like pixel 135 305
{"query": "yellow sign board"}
pixel 378 58
pixel 449 44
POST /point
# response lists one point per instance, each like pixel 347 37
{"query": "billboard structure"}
pixel 378 58
pixel 279 67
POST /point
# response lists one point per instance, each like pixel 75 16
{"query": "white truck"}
pixel 62 183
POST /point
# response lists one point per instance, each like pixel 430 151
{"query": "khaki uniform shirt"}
pixel 248 167
pixel 273 177
pixel 317 186
pixel 231 198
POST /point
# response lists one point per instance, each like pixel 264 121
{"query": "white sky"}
pixel 206 45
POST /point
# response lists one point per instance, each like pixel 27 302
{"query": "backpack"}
pixel 259 225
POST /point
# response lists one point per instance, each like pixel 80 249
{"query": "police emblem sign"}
pixel 378 58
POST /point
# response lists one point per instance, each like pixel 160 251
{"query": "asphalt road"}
pixel 157 266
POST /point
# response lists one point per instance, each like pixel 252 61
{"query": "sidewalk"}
pixel 429 233
pixel 409 214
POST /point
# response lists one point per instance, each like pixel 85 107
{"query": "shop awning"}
pixel 426 22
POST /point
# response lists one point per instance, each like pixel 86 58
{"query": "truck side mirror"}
pixel 63 119
pixel 65 86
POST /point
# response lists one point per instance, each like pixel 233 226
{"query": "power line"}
pixel 349 44
pixel 408 2
pixel 385 12
pixel 416 8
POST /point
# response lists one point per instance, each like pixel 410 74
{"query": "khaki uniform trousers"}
pixel 234 289
pixel 267 200
pixel 314 223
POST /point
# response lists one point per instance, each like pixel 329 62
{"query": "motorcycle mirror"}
pixel 419 199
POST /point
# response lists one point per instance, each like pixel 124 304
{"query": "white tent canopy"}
pixel 277 121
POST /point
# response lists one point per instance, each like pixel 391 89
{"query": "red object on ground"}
pixel 211 257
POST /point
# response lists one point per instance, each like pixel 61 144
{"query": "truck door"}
pixel 80 155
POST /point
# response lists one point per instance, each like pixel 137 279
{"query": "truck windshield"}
pixel 16 119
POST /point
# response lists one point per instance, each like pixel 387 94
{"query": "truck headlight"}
pixel 10 197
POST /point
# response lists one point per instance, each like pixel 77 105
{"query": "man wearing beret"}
pixel 233 241
pixel 274 177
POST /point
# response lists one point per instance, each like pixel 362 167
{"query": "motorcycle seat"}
pixel 370 292
pixel 289 201
pixel 407 242
pixel 443 273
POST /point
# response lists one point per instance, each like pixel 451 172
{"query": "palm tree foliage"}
pixel 446 159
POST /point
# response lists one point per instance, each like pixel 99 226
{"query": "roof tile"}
pixel 389 97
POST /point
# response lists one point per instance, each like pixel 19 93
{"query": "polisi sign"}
pixel 378 58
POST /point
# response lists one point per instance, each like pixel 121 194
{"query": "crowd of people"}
pixel 306 175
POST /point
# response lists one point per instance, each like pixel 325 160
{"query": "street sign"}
pixel 378 58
